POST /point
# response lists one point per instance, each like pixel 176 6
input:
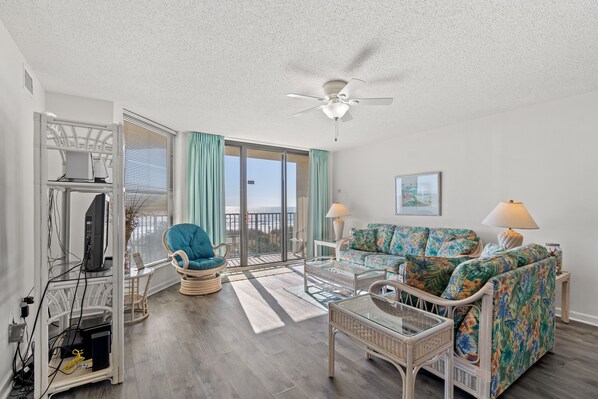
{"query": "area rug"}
pixel 316 296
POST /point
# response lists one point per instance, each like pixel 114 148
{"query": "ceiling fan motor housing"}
pixel 333 87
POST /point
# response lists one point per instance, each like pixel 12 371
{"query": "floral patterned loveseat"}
pixel 384 246
pixel 503 306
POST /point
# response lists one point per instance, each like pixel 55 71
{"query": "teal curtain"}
pixel 206 184
pixel 318 203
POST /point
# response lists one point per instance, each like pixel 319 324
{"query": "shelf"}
pixel 56 272
pixel 83 187
pixel 80 376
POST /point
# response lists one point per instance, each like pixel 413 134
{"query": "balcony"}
pixel 264 238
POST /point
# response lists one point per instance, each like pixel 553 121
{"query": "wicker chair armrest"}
pixel 425 296
pixel 183 256
pixel 226 246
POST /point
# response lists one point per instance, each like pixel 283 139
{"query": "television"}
pixel 96 234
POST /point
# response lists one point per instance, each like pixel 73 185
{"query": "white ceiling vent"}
pixel 27 81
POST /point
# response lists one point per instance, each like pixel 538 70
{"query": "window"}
pixel 148 185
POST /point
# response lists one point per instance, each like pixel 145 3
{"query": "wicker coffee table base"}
pixel 407 354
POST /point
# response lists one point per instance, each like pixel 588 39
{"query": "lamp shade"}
pixel 336 210
pixel 513 215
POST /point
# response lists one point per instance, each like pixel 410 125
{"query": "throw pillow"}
pixel 363 239
pixel 470 276
pixel 457 246
pixel 491 249
pixel 529 253
pixel 430 274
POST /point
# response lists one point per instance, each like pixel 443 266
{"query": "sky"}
pixel 266 190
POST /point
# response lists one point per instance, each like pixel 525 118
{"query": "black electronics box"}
pixel 72 340
pixel 87 332
pixel 100 349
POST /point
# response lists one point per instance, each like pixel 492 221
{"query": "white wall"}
pixel 16 190
pixel 543 155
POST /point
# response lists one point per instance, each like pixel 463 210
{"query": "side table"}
pixel 324 243
pixel 136 307
pixel 564 279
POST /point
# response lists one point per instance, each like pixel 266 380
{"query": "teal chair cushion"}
pixel 204 264
pixel 191 239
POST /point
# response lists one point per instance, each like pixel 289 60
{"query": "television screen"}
pixel 96 234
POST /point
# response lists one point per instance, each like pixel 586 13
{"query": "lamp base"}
pixel 339 226
pixel 510 239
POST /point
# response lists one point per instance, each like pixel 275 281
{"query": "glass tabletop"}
pixel 398 317
pixel 134 272
pixel 330 264
pixel 68 271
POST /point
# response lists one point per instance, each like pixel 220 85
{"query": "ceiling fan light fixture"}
pixel 335 109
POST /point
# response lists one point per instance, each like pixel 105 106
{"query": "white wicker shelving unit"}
pixel 104 293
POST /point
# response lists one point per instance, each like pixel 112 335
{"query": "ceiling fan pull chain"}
pixel 335 129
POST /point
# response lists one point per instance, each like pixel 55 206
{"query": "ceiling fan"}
pixel 337 100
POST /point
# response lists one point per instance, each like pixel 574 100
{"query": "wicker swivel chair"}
pixel 192 255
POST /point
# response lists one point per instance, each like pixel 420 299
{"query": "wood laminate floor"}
pixel 255 340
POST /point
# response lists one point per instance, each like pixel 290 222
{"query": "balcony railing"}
pixel 264 233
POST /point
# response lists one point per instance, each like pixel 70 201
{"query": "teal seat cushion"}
pixel 204 264
pixel 383 261
pixel 409 241
pixel 353 256
pixel 190 238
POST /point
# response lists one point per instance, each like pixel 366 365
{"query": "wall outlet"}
pixel 16 332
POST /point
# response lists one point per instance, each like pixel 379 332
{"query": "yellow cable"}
pixel 73 363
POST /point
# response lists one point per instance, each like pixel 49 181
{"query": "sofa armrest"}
pixel 523 320
pixel 343 243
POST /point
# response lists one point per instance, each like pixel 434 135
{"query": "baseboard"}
pixel 154 289
pixel 5 387
pixel 581 317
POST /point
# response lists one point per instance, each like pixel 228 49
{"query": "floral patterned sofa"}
pixel 502 304
pixel 384 246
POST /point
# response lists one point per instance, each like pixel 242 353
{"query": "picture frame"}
pixel 418 194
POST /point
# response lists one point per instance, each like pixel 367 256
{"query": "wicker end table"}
pixel 136 307
pixel 407 337
pixel 343 274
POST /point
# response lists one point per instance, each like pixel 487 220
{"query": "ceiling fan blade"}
pixel 371 101
pixel 353 85
pixel 308 110
pixel 304 96
pixel 347 117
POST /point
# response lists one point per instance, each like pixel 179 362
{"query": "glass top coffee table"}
pixel 407 337
pixel 351 277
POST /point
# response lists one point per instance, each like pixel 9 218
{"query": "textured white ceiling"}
pixel 224 67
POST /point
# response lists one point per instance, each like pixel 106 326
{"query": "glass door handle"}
pixel 246 217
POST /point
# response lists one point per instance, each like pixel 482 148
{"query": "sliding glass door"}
pixel 266 203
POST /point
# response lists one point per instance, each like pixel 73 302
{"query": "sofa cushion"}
pixel 430 274
pixel 491 249
pixel 409 241
pixel 353 256
pixel 362 239
pixel 529 253
pixel 467 335
pixel 384 234
pixel 383 261
pixel 439 235
pixel 470 276
pixel 457 246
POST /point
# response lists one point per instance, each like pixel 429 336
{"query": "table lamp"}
pixel 513 215
pixel 336 210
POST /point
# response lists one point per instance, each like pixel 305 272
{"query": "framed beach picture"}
pixel 418 194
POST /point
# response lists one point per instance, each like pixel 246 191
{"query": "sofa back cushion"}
pixel 439 235
pixel 362 239
pixel 384 234
pixel 430 274
pixel 529 253
pixel 409 241
pixel 458 246
pixel 491 249
pixel 470 276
